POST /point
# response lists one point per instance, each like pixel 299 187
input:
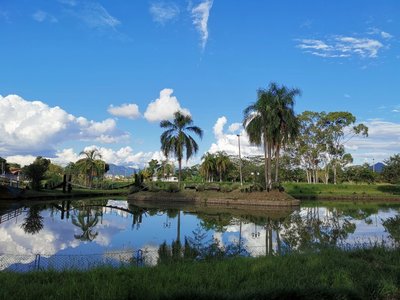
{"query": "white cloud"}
pixel 383 141
pixel 94 15
pixel 347 96
pixel 33 127
pixel 383 34
pixel 230 143
pixel 41 16
pixel 164 12
pixel 200 15
pixel 130 111
pixel 164 107
pixel 342 46
pixel 234 127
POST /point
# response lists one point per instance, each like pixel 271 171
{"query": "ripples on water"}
pixel 83 233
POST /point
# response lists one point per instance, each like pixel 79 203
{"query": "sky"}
pixel 79 74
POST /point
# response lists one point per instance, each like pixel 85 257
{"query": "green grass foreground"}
pixel 330 274
pixel 343 190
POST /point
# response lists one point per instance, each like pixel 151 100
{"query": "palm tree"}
pixel 286 128
pixel 222 163
pixel 175 139
pixel 257 121
pixel 271 122
pixel 89 164
pixel 208 166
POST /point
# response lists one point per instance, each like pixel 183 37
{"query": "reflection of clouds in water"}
pixel 253 237
pixel 55 236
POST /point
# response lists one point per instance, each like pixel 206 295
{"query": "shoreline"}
pixel 211 198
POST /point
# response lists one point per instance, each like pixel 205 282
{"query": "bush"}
pixel 277 186
pixel 172 188
pixel 226 188
pixel 200 187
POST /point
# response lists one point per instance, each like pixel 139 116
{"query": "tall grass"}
pixel 330 274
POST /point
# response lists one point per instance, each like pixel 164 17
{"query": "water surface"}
pixel 108 228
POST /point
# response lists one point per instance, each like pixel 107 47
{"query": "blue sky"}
pixel 90 57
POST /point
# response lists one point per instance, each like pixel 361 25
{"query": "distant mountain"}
pixel 120 170
pixel 378 167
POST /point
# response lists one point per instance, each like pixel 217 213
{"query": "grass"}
pixel 330 274
pixel 320 191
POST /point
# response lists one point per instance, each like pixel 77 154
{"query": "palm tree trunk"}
pixel 266 165
pixel 179 171
pixel 334 172
pixel 269 166
pixel 277 163
pixel 220 174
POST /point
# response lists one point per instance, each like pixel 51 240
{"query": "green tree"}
pixel 271 122
pixel 391 170
pixel 33 221
pixel 338 130
pixel 90 165
pixel 208 166
pixel 286 125
pixel 222 163
pixel 36 171
pixel 176 140
pixel 4 166
pixel 153 165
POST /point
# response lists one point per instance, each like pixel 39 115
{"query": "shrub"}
pixel 226 188
pixel 172 188
pixel 200 187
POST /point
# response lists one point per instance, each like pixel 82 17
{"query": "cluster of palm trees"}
pixel 215 165
pixel 270 122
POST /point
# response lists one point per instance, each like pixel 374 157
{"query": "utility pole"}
pixel 373 165
pixel 240 162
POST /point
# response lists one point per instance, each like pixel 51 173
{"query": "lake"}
pixel 85 233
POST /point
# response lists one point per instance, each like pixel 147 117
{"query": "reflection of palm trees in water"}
pixel 86 221
pixel 33 222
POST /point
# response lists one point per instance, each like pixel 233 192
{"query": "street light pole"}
pixel 373 165
pixel 240 162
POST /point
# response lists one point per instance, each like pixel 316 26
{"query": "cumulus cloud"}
pixel 42 16
pixel 130 111
pixel 164 107
pixel 200 15
pixel 234 127
pixel 342 46
pixel 383 141
pixel 229 142
pixel 33 127
pixel 163 12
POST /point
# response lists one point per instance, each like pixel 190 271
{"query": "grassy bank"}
pixel 331 274
pixel 343 191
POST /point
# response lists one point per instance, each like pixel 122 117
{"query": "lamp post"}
pixel 373 165
pixel 240 161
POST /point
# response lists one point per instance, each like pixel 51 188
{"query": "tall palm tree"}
pixel 222 163
pixel 257 121
pixel 175 139
pixel 89 164
pixel 286 127
pixel 271 122
pixel 208 166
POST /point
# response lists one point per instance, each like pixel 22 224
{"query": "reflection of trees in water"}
pixel 86 220
pixel 392 226
pixel 308 230
pixel 33 221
